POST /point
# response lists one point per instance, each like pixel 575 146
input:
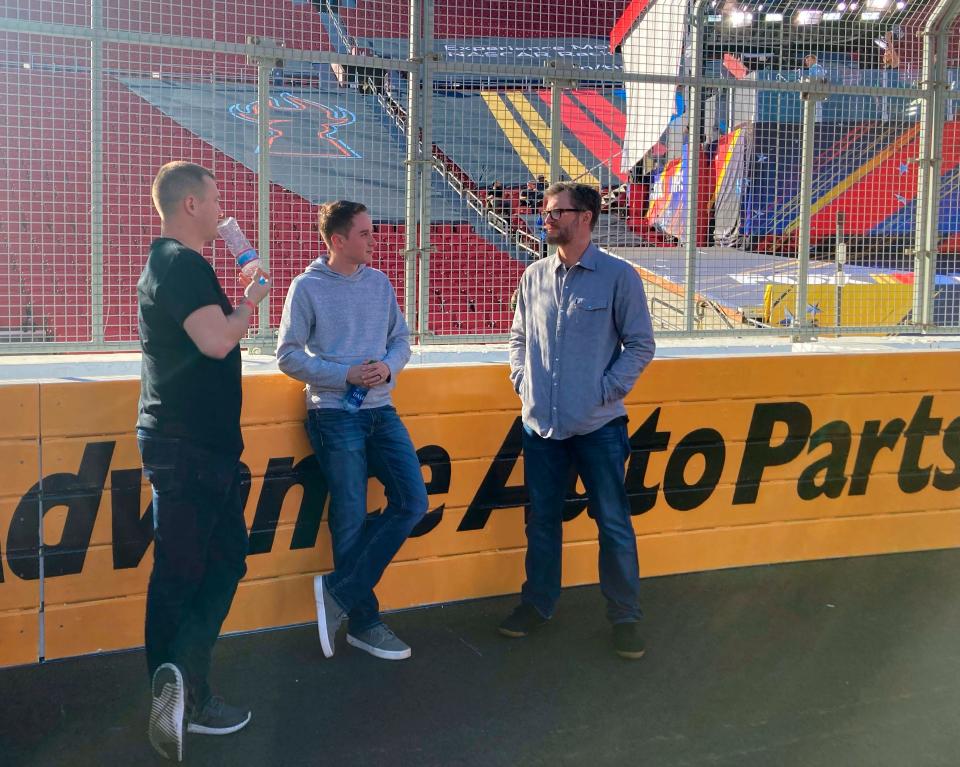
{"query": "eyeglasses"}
pixel 555 213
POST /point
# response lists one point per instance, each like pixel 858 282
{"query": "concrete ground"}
pixel 843 662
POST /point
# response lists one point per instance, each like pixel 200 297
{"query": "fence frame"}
pixel 423 64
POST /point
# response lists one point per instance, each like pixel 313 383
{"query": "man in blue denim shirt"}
pixel 581 336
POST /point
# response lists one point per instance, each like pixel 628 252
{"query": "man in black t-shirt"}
pixel 188 432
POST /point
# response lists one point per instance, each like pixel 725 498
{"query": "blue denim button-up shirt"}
pixel 579 341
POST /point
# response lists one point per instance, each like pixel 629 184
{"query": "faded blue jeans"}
pixel 599 457
pixel 350 447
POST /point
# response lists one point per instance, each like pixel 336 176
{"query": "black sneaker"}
pixel 218 718
pixel 627 640
pixel 521 621
pixel 166 712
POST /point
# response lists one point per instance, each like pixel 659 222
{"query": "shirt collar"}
pixel 588 260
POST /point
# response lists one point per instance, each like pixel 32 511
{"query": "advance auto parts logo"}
pixel 839 472
pixel 286 131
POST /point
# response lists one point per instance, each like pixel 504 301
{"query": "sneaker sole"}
pixel 166 714
pixel 377 652
pixel 511 633
pixel 630 655
pixel 325 644
pixel 200 729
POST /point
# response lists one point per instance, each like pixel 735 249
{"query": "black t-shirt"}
pixel 182 392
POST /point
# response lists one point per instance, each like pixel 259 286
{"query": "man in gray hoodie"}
pixel 343 335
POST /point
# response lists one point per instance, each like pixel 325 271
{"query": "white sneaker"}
pixel 329 616
pixel 166 712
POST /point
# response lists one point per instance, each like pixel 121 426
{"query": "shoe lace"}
pixel 212 707
pixel 383 632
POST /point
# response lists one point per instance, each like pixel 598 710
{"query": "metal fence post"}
pixel 932 114
pixel 265 66
pixel 692 180
pixel 426 167
pixel 264 72
pixel 802 328
pixel 413 168
pixel 556 125
pixel 840 258
pixel 96 174
pixel 556 128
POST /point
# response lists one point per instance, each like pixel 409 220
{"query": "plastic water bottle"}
pixel 240 247
pixel 354 396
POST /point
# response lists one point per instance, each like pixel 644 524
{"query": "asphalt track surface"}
pixel 842 662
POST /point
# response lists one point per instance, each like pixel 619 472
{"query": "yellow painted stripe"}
pixel 568 160
pixel 858 174
pixel 523 146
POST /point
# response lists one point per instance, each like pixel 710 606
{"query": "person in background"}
pixel 815 72
pixel 188 433
pixel 531 197
pixel 890 73
pixel 496 202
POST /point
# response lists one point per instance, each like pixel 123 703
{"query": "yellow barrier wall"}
pixel 19 472
pixel 736 461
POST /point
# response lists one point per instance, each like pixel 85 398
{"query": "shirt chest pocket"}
pixel 589 311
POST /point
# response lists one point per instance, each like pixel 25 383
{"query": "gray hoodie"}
pixel 331 322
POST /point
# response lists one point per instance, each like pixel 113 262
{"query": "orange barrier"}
pixel 737 461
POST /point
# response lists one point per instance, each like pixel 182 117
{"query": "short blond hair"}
pixel 175 181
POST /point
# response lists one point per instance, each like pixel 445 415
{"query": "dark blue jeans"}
pixel 599 457
pixel 351 447
pixel 200 550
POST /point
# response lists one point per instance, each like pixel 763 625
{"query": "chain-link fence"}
pixel 780 167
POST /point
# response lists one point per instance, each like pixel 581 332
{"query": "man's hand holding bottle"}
pixel 257 287
pixel 368 374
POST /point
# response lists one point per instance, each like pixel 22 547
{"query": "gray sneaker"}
pixel 380 642
pixel 216 717
pixel 166 712
pixel 329 615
